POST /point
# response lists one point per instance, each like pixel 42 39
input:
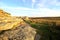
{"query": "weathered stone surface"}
pixel 23 32
pixel 4 14
pixel 12 29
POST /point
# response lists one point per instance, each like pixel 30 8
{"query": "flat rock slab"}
pixel 23 32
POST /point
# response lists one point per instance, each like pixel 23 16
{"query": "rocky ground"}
pixel 22 32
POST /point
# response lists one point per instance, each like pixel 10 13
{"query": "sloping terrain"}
pixel 47 28
pixel 25 28
pixel 45 19
pixel 23 32
pixel 7 21
pixel 4 14
pixel 14 28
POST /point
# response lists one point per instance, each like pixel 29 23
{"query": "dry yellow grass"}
pixel 41 20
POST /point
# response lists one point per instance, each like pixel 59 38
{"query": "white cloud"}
pixel 54 2
pixel 33 2
pixel 49 12
pixel 24 0
pixel 41 11
pixel 47 3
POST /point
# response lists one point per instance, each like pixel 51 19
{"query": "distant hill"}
pixel 50 18
pixel 45 19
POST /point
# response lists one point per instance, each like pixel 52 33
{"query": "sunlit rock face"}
pixel 4 14
pixel 23 32
pixel 7 21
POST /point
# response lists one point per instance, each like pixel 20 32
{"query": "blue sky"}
pixel 34 8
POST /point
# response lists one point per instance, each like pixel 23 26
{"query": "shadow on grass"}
pixel 46 31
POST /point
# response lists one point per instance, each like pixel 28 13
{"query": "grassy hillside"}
pixel 45 19
pixel 48 29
